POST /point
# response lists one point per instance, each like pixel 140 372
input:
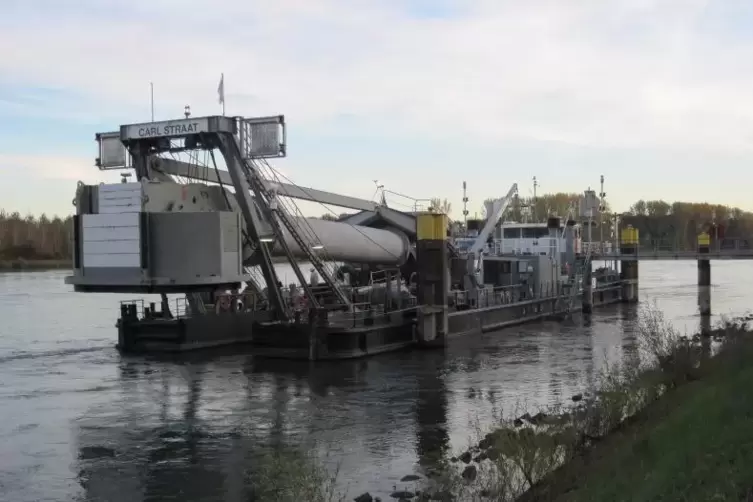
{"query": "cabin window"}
pixel 535 233
pixel 511 233
pixel 494 272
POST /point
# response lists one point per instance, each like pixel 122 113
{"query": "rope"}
pixel 330 210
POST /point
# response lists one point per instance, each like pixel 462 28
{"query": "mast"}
pixel 533 205
pixel 465 207
pixel 601 214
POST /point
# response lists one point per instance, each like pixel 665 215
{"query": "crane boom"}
pixel 498 210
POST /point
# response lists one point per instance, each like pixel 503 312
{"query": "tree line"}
pixel 659 223
pixel 35 238
pixel 678 224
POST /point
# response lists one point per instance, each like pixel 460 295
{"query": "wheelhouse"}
pixel 532 238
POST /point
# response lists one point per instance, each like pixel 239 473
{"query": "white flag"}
pixel 221 89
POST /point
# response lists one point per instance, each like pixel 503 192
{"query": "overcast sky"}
pixel 418 94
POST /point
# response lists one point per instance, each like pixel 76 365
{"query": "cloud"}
pixel 420 94
pixel 637 73
pixel 39 183
pixel 51 167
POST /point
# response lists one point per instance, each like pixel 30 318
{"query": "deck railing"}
pixel 367 313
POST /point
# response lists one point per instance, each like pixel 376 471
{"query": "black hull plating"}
pixel 271 339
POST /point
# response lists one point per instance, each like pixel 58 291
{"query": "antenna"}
pixel 533 205
pixel 465 206
pixel 602 208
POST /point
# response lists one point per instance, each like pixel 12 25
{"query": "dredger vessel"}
pixel 207 239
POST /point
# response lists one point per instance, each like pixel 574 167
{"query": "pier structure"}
pixel 630 253
pixel 433 278
pixel 629 240
pixel 704 282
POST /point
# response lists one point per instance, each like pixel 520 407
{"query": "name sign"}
pixel 170 128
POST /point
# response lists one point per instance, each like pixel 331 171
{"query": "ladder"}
pixel 282 217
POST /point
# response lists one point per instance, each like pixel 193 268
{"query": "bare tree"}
pixel 441 205
pixel 34 238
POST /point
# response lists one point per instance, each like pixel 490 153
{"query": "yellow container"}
pixel 431 226
pixel 629 236
pixel 704 240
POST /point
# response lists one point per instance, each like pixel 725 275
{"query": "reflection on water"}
pixel 80 422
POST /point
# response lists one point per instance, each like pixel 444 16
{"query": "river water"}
pixel 78 421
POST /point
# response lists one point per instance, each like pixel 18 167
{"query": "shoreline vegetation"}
pixel 675 224
pixel 671 423
pixel 34 243
pixel 41 242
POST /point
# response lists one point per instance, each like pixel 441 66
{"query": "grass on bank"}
pixel 290 475
pixel 673 424
pixel 694 444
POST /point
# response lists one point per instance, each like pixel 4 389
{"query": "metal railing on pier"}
pixel 657 248
pixel 662 249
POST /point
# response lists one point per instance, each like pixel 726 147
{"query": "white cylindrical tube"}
pixel 337 241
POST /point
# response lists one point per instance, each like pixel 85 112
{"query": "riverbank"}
pixel 695 443
pixel 10 265
pixel 671 425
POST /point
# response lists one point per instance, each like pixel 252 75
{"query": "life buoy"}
pixel 413 279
